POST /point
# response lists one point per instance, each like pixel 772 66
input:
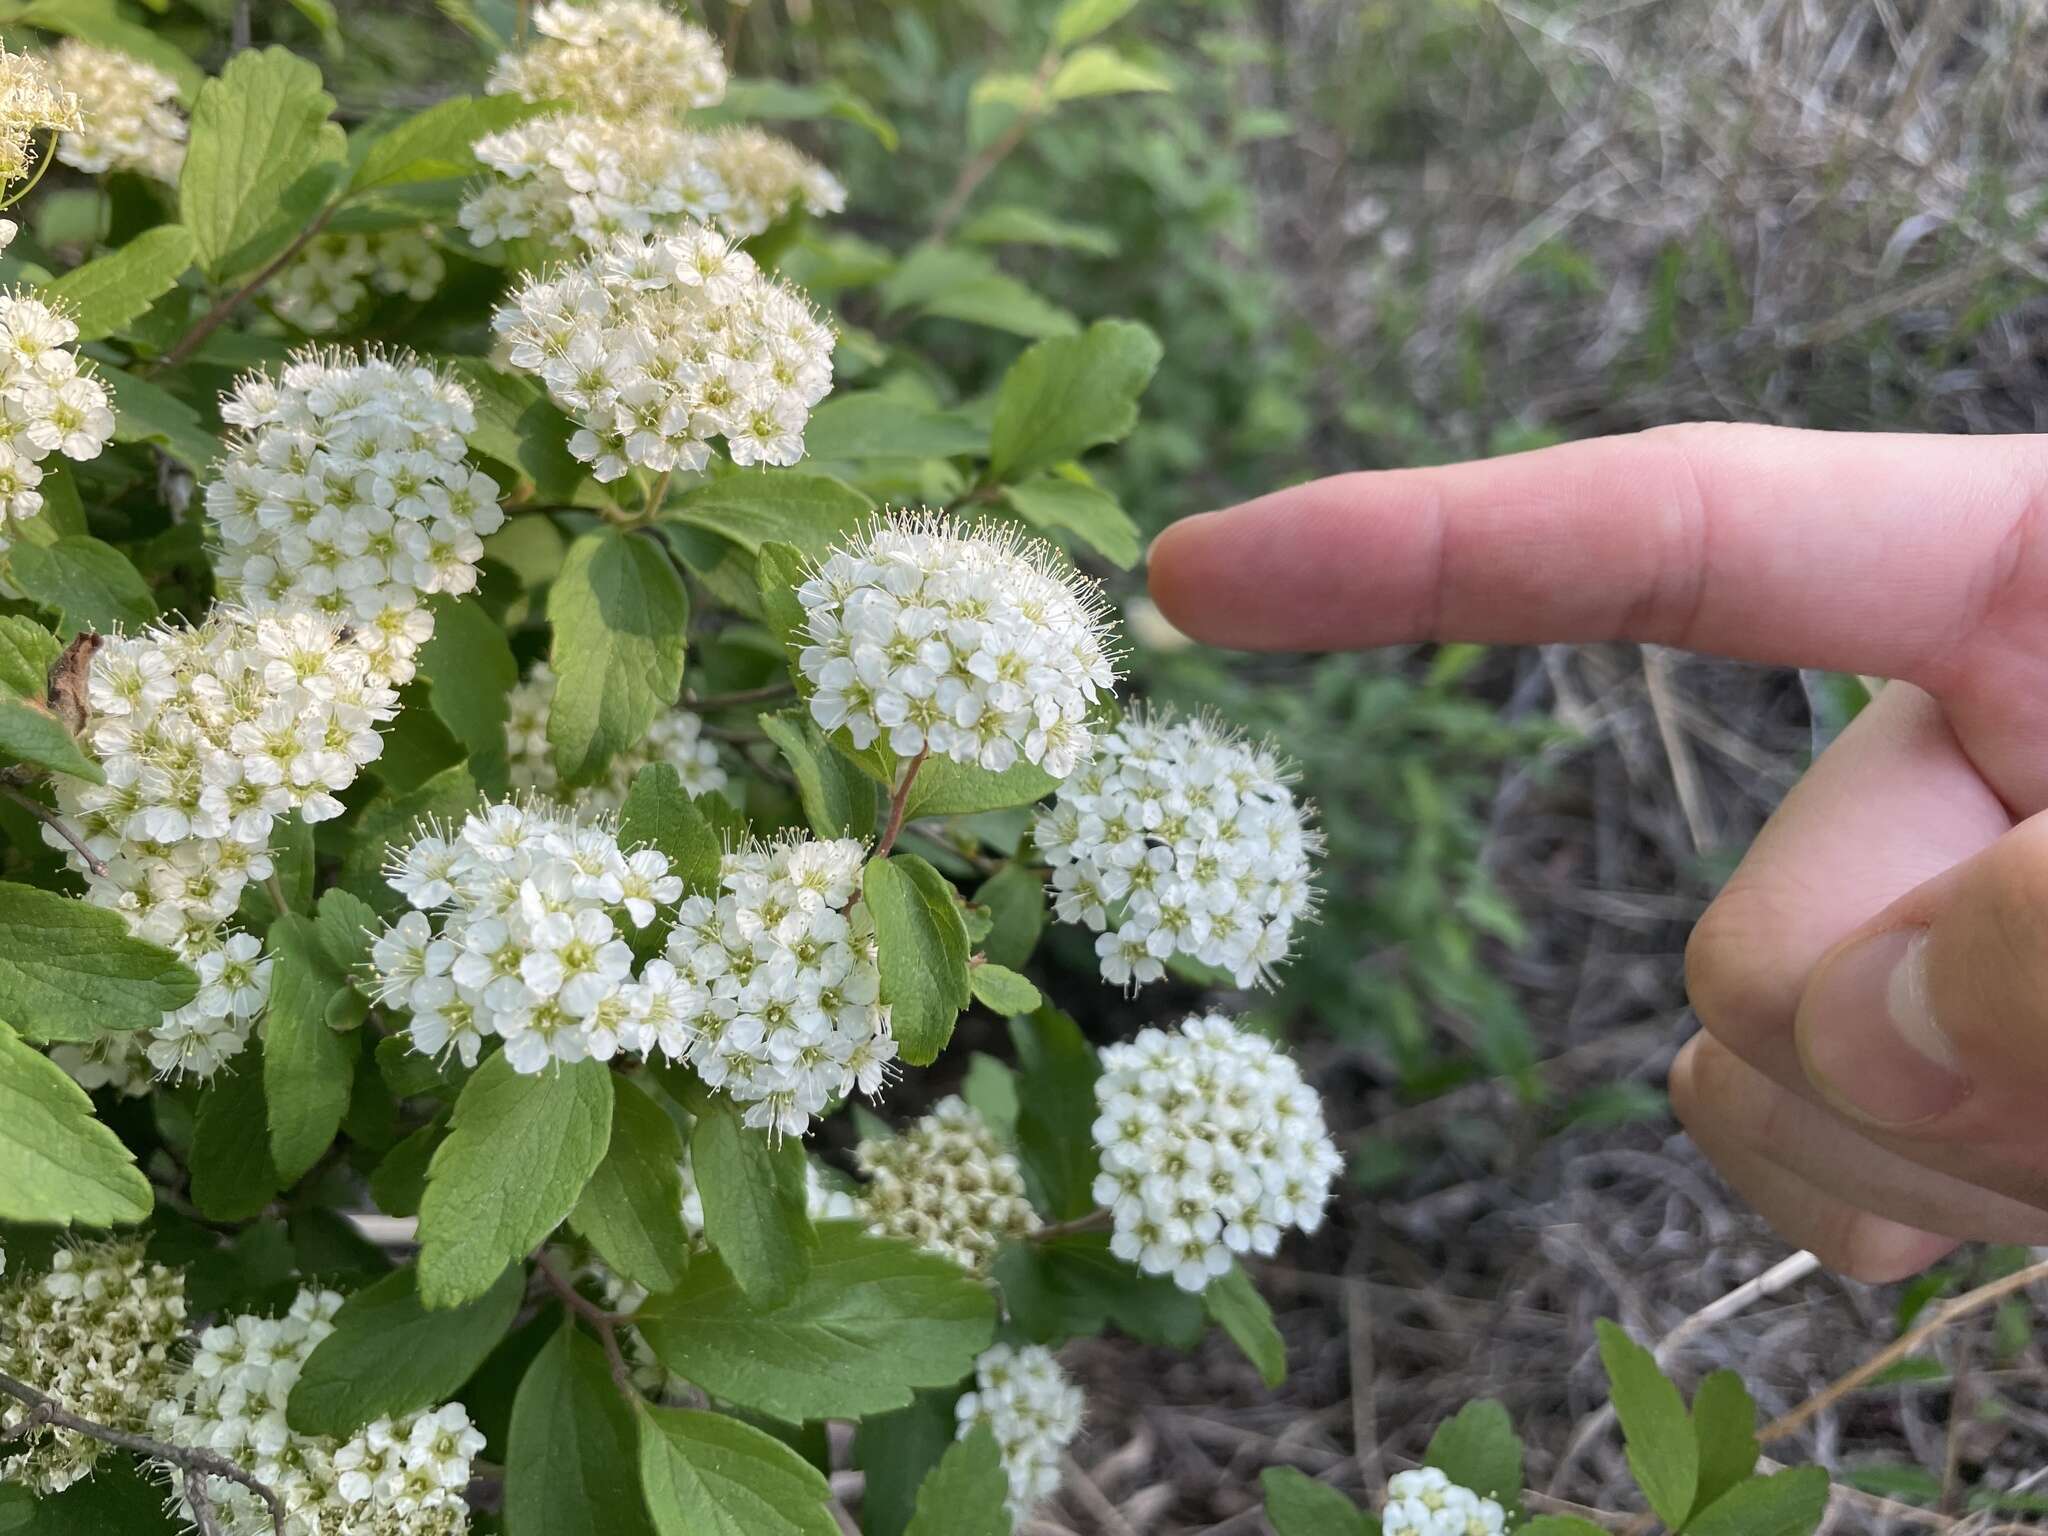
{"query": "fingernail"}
pixel 1869 1036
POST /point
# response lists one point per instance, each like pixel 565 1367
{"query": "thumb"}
pixel 1932 1022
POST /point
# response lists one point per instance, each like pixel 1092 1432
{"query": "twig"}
pixel 998 149
pixel 1094 1221
pixel 761 695
pixel 196 1464
pixel 606 1323
pixel 1685 771
pixel 1090 1495
pixel 1365 1434
pixel 897 802
pixel 217 316
pixel 1943 1316
pixel 58 824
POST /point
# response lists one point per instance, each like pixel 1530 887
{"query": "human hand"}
pixel 1873 980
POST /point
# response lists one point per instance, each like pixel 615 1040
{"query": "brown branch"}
pixel 217 316
pixel 57 824
pixel 606 1323
pixel 197 1465
pixel 897 803
pixel 1094 1221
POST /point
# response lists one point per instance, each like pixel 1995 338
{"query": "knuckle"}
pixel 1731 989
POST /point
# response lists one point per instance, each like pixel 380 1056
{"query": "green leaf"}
pixel 755 1192
pixel 58 1164
pixel 1002 991
pixel 1072 1287
pixel 1724 1424
pixel 897 1451
pixel 619 614
pixel 572 1464
pixel 517 425
pixel 1237 1307
pixel 1015 898
pixel 345 924
pixel 632 1208
pixel 27 652
pixel 105 294
pixel 469 671
pixel 778 100
pixel 923 952
pixel 148 413
pixel 30 734
pixel 990 1089
pixel 1020 224
pixel 1079 20
pixel 435 145
pixel 1070 394
pixel 70 971
pixel 1560 1525
pixel 837 801
pixel 89 584
pixel 955 284
pixel 513 1167
pixel 1478 1448
pixel 259 161
pixel 400 1180
pixel 874 425
pixel 1298 1505
pixel 965 1493
pixel 810 513
pixel 707 1474
pixel 1662 1452
pixel 871 1321
pixel 660 814
pixel 389 1355
pixel 307 1068
pixel 1102 72
pixel 1092 515
pixel 233 1177
pixel 1056 1077
pixel 1787 1503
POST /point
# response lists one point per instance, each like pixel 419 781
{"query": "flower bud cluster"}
pixel 32 101
pixel 1211 1146
pixel 347 493
pixel 1024 1397
pixel 762 178
pixel 535 903
pixel 946 1184
pixel 982 646
pixel 676 738
pixel 47 403
pixel 130 111
pixel 1424 1502
pixel 625 59
pixel 394 1477
pixel 658 346
pixel 1180 838
pixel 329 280
pixel 97 1333
pixel 775 986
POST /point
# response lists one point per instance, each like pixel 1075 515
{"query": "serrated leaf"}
pixel 572 1462
pixel 1100 71
pixel 1236 1306
pixel 345 924
pixel 707 1474
pixel 872 425
pixel 631 1210
pixel 755 1192
pixel 147 413
pixel 808 512
pixel 259 160
pixel 1091 514
pixel 957 284
pixel 922 946
pixel 90 585
pixel 1788 1503
pixel 436 144
pixel 389 1355
pixel 59 1164
pixel 1056 1073
pixel 27 651
pixel 871 1321
pixel 1478 1448
pixel 70 971
pixel 1724 1424
pixel 308 1069
pixel 104 294
pixel 964 1494
pixel 1298 1505
pixel 1662 1452
pixel 1069 394
pixel 233 1177
pixel 1079 20
pixel 1002 991
pixel 30 734
pixel 660 814
pixel 838 802
pixel 468 668
pixel 619 615
pixel 1061 1288
pixel 513 1166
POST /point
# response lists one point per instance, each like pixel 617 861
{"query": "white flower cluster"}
pixel 130 110
pixel 535 902
pixel 32 101
pixel 627 59
pixel 402 1477
pixel 1424 1502
pixel 1183 838
pixel 47 404
pixel 982 647
pixel 1211 1146
pixel 1024 1397
pixel 778 988
pixel 657 346
pixel 329 280
pixel 347 494
pixel 946 1184
pixel 676 737
pixel 761 178
pixel 97 1333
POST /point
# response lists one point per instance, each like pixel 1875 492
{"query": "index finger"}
pixel 1875 553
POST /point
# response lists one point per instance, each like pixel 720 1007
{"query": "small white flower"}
pixel 1034 1412
pixel 1424 1502
pixel 131 120
pixel 625 59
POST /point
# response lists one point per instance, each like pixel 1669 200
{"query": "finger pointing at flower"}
pixel 1878 959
